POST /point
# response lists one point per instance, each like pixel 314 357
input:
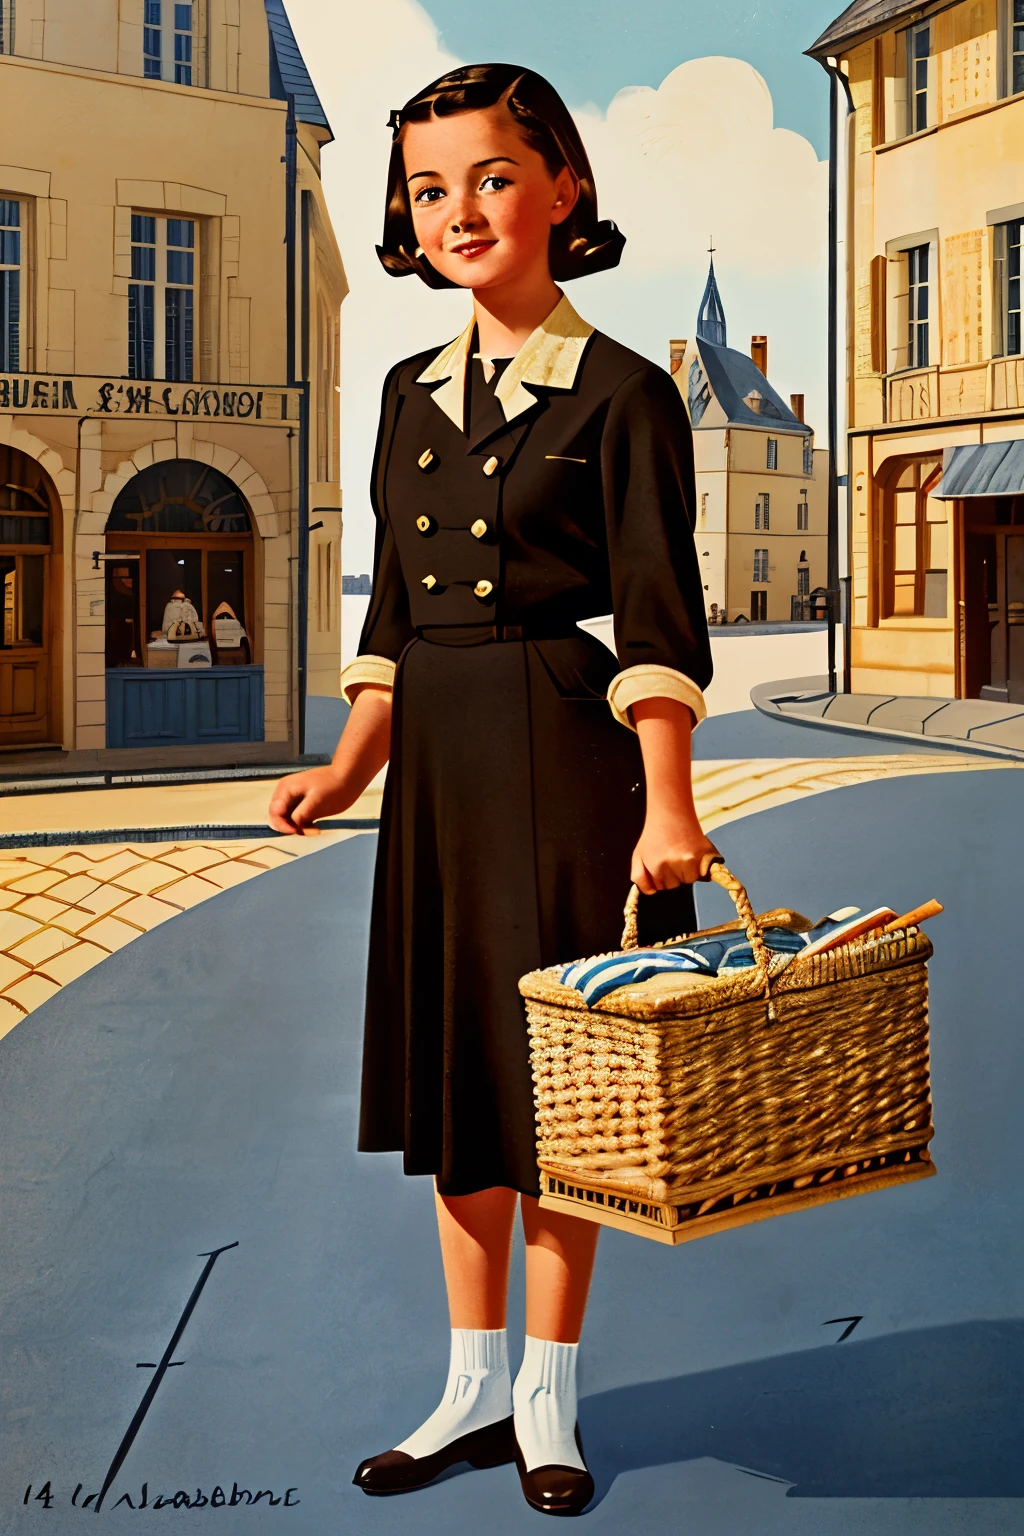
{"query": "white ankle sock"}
pixel 477 1392
pixel 544 1400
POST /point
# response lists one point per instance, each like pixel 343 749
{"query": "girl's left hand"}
pixel 672 851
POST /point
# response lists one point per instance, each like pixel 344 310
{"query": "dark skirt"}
pixel 512 805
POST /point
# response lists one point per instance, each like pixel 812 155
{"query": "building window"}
pixel 808 457
pixel 1015 52
pixel 1006 274
pixel 917 307
pixel 762 511
pixel 11 284
pixel 151 39
pixel 758 606
pixel 160 16
pixel 773 453
pixel 918 49
pixel 803 513
pixel 760 565
pixel 161 298
pixel 803 581
pixel 188 573
pixel 916 544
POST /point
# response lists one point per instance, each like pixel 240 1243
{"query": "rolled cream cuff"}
pixel 366 669
pixel 650 681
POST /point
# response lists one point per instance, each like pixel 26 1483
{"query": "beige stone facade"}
pixel 149 274
pixel 762 487
pixel 936 196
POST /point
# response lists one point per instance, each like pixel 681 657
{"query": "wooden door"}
pixel 27 617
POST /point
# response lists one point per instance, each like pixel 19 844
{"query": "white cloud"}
pixel 698 156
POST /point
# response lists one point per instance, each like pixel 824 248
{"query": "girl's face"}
pixel 483 201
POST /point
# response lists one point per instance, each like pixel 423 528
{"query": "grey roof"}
pixel 862 17
pixel 983 469
pixel 288 73
pixel 732 375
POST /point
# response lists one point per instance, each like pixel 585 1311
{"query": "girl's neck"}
pixel 506 316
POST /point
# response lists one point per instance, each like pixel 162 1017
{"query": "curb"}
pixel 762 696
pixel 55 784
pixel 211 832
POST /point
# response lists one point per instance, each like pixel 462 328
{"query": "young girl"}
pixel 530 474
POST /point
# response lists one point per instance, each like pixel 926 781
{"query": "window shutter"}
pixel 878 315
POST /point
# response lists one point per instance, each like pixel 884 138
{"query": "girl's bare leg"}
pixel 560 1253
pixel 476 1247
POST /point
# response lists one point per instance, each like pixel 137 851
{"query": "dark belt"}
pixel 480 634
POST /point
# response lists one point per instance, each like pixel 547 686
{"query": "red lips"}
pixel 473 247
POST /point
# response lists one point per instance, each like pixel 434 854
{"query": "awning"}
pixel 985 469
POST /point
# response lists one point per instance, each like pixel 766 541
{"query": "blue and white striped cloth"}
pixel 595 978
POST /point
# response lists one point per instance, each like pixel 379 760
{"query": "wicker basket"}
pixel 686 1104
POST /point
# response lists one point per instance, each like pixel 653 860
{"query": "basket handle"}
pixel 721 876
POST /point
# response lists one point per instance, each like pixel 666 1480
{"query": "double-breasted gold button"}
pixel 426 458
pixel 491 465
pixel 424 523
pixel 429 581
pixel 478 529
pixel 483 589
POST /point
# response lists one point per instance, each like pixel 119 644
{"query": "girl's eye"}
pixel 495 182
pixel 429 195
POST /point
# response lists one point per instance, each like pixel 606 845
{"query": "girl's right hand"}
pixel 303 798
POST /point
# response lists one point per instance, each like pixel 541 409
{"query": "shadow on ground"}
pixel 933 1414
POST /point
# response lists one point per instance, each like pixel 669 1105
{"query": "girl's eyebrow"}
pixel 478 165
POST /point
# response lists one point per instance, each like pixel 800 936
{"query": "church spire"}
pixel 711 317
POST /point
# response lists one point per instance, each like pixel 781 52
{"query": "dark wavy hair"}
pixel 581 244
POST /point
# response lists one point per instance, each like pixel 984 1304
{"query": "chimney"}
pixel 796 405
pixel 759 353
pixel 676 352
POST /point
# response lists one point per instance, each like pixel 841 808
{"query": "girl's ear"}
pixel 567 191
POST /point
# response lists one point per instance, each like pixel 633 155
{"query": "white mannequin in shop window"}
pixel 179 610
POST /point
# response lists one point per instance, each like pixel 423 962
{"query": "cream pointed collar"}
pixel 550 356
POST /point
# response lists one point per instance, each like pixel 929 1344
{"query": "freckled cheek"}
pixel 522 223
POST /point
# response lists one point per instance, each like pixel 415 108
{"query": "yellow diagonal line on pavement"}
pixel 64 909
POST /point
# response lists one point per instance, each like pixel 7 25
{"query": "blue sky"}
pixel 590 49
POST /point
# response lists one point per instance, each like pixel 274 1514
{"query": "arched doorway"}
pixel 30 532
pixel 183 650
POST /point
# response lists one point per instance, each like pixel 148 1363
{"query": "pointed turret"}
pixel 711 318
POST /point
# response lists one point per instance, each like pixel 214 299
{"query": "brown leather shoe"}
pixel 398 1472
pixel 556 1490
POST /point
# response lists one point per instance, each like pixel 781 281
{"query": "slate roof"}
pixel 288 73
pixel 866 17
pixel 732 376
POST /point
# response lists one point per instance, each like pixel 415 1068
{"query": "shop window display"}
pixel 183 596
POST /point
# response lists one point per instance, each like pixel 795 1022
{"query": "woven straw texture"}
pixel 686 1087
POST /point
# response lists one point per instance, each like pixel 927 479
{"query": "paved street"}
pixel 199 1087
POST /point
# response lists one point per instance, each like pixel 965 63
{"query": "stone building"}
pixel 761 484
pixel 933 156
pixel 170 289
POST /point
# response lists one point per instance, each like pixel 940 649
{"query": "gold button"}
pixel 491 465
pixel 483 589
pixel 423 524
pixel 429 581
pixel 426 458
pixel 478 529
